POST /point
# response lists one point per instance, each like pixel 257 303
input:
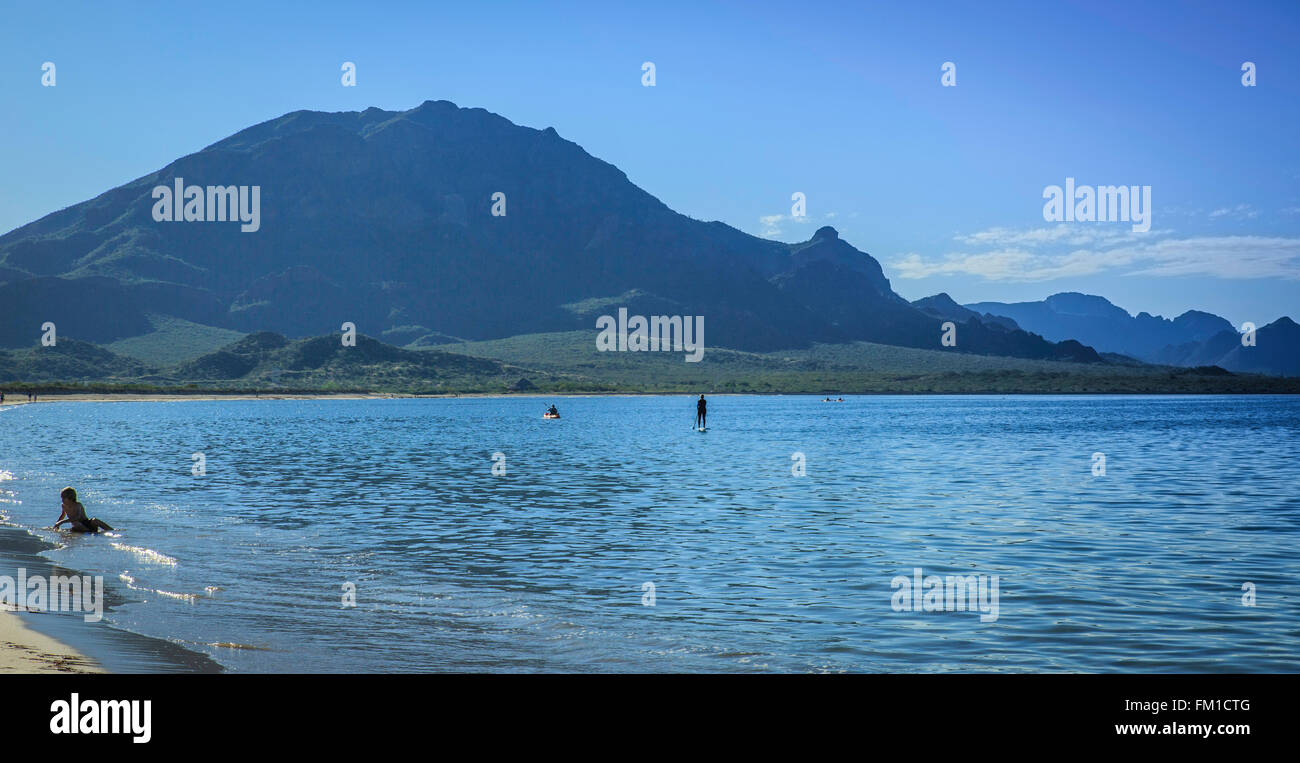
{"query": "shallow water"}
pixel 754 569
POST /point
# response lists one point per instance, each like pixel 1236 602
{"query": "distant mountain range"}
pixel 1194 338
pixel 385 219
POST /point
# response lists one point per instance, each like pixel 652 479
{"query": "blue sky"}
pixel 753 102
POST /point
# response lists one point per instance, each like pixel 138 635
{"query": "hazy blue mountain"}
pixel 1276 351
pixel 946 308
pixel 1097 323
pixel 385 219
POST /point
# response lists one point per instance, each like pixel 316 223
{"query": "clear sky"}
pixel 753 101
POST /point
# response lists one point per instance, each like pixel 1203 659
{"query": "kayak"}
pixel 550 415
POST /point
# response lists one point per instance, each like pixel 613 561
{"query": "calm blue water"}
pixel 754 569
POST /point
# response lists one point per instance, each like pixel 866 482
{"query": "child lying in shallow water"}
pixel 75 515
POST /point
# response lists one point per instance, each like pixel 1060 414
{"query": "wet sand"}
pixel 134 397
pixel 23 650
pixel 56 642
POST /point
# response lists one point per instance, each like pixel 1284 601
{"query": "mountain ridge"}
pixel 1193 338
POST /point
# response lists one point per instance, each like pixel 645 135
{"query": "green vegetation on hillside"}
pixel 570 362
pixel 173 340
pixel 271 360
pixel 857 368
pixel 68 360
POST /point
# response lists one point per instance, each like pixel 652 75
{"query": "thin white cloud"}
pixel 1238 212
pixel 1223 257
pixel 1229 257
pixel 1066 235
pixel 771 224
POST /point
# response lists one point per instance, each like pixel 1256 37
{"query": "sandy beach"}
pixel 48 642
pixel 23 650
pixel 133 397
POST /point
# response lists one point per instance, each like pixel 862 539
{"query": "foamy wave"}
pixel 130 581
pixel 146 554
pixel 190 597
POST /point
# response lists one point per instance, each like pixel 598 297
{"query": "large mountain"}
pixel 385 219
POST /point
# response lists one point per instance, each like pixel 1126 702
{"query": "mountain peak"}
pixel 826 232
pixel 1072 302
pixel 941 298
pixel 432 104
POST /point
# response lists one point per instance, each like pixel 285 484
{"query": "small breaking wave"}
pixel 190 597
pixel 146 554
pixel 131 582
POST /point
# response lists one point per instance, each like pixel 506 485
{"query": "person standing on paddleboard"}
pixel 700 413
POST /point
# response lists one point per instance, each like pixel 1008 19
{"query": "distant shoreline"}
pixel 145 397
pixel 137 397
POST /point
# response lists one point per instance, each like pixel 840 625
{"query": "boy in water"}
pixel 75 515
